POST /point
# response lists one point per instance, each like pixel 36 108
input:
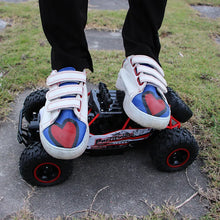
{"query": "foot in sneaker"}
pixel 142 80
pixel 64 130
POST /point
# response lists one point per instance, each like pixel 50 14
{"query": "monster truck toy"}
pixel 171 149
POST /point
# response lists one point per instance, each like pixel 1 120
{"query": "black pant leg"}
pixel 140 31
pixel 63 23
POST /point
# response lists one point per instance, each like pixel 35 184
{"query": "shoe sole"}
pixel 65 153
pixel 133 112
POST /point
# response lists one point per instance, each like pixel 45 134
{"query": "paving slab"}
pixel 208 11
pixel 104 40
pixel 108 5
pixel 130 179
pixel 13 191
pixel 217 39
pixel 3 24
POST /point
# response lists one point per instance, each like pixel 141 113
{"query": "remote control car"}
pixel 171 149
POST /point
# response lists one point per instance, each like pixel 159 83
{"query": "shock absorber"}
pixel 104 97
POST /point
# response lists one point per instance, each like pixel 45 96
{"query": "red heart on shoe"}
pixel 65 135
pixel 155 106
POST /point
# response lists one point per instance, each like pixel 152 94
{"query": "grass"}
pixel 111 20
pixel 190 57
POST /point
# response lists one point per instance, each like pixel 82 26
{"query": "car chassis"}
pixel 111 131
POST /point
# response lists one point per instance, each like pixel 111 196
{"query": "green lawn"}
pixel 190 57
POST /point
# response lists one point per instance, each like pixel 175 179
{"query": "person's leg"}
pixel 63 24
pixel 64 130
pixel 140 31
pixel 141 77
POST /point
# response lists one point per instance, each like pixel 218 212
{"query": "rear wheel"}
pixel 173 150
pixel 38 168
pixel 33 103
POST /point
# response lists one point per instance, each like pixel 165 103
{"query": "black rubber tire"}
pixel 173 149
pixel 38 168
pixel 179 109
pixel 33 103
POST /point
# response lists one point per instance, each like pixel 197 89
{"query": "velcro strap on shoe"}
pixel 144 78
pixel 65 90
pixel 66 76
pixel 141 59
pixel 63 104
pixel 152 72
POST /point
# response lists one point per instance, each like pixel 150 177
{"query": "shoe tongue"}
pixel 148 65
pixel 150 88
pixel 66 69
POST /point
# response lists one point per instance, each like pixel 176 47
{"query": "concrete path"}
pixel 131 178
pixel 127 180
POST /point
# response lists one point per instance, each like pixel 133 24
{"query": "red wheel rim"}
pixel 47 172
pixel 178 158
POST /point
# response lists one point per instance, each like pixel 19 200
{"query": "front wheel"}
pixel 38 168
pixel 179 109
pixel 173 149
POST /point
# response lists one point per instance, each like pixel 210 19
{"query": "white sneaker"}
pixel 142 80
pixel 64 130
